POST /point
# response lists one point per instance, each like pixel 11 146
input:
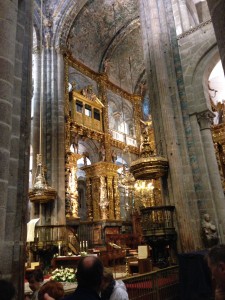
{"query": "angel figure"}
pixel 107 65
pixel 147 126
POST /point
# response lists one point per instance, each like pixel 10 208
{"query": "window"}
pixel 96 114
pixel 79 106
pixel 87 110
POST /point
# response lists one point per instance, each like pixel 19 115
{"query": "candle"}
pixel 59 247
pixel 86 245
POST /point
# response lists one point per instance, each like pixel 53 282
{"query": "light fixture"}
pixel 41 191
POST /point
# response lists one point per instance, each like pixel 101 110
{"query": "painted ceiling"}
pixel 100 31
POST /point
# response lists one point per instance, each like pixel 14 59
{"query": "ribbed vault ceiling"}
pixel 100 30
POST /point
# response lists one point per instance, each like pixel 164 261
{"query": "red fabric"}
pixel 149 284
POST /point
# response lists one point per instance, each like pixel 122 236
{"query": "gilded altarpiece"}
pixel 103 196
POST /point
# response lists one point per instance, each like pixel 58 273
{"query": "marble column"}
pixel 160 70
pixel 217 9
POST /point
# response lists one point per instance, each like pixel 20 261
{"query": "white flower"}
pixel 67 274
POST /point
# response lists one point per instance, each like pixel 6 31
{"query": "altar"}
pixel 65 261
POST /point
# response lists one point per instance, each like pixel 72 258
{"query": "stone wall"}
pixel 199 54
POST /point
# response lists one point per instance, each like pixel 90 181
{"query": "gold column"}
pixel 71 185
pixel 110 197
pixel 101 176
pixel 95 184
pixel 104 200
pixel 116 198
pixel 89 200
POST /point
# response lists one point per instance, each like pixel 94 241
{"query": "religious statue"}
pixel 146 131
pixel 74 142
pixel 114 155
pixel 209 231
pixel 142 88
pixel 85 156
pixel 107 65
pixel 102 153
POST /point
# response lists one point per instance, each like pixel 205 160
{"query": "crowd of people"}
pixel 94 282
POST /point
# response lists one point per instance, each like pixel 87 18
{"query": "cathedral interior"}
pixel 112 131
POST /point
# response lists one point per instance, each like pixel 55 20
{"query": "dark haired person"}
pixel 7 290
pixel 35 280
pixel 89 277
pixel 216 263
pixel 112 289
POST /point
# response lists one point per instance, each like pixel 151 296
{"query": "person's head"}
pixel 107 285
pixel 216 263
pixel 207 217
pixel 35 279
pixel 107 279
pixel 53 288
pixel 7 290
pixel 89 272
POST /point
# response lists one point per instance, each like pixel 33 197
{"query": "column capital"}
pixel 36 50
pixel 205 119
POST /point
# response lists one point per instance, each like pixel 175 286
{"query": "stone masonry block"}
pixel 12 199
pixel 14 151
pixel 5 105
pixel 5 135
pixel 13 172
pixel 6 70
pixel 3 193
pixel 4 163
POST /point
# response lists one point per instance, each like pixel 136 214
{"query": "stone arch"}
pixel 63 26
pixel 201 75
pixel 198 59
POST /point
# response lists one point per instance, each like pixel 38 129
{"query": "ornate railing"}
pixel 159 232
pixel 157 285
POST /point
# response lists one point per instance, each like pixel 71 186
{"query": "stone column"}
pixel 181 17
pixel 160 69
pixel 103 96
pixel 205 119
pixel 59 154
pixel 35 121
pixel 217 9
pixel 8 17
pixel 15 87
pixel 137 117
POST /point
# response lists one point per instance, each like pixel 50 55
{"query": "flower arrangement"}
pixel 64 275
